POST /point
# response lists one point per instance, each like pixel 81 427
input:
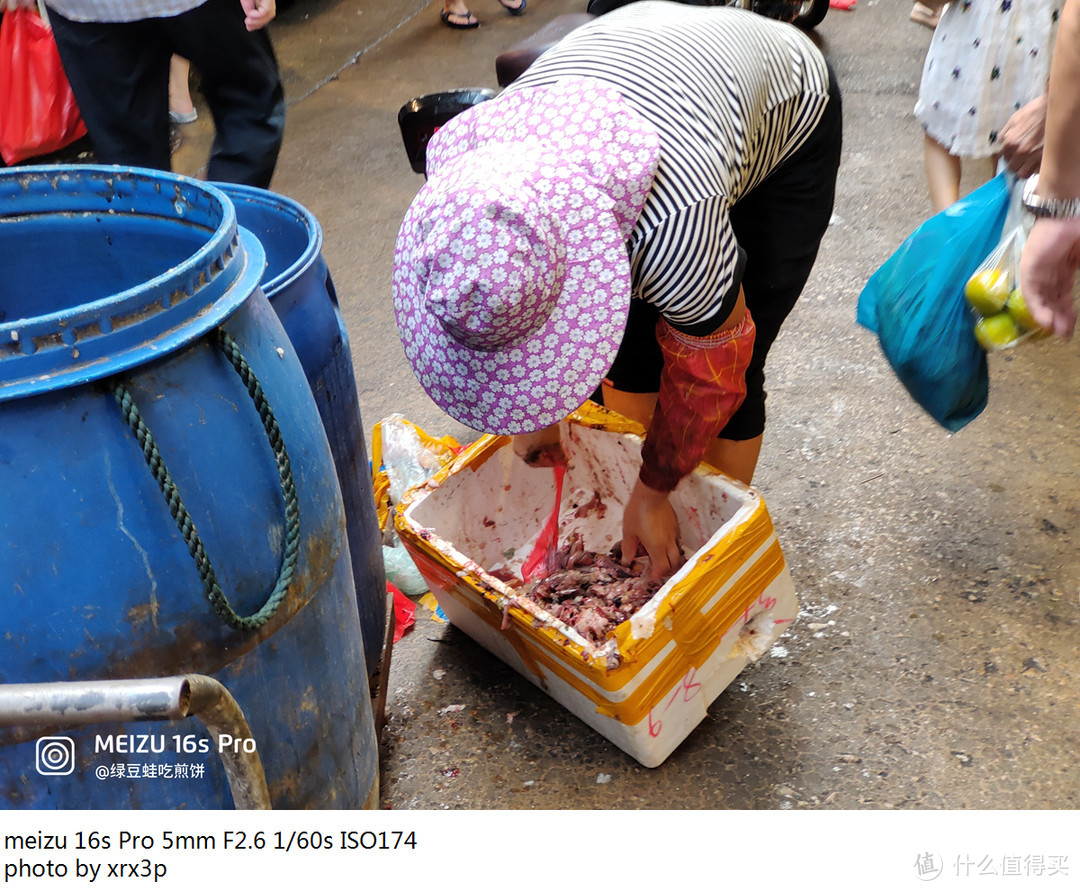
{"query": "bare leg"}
pixel 736 458
pixel 635 406
pixel 179 95
pixel 942 175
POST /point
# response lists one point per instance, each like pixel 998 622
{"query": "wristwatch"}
pixel 1052 208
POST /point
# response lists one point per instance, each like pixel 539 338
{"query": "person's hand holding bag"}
pixel 1048 273
pixel 1051 256
pixel 1022 138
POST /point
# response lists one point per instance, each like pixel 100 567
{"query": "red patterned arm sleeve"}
pixel 702 385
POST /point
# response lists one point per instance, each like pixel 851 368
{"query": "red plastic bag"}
pixel 404 612
pixel 38 112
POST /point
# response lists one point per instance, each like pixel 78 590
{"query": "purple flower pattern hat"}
pixel 511 274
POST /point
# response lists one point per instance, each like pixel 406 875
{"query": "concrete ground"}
pixel 933 664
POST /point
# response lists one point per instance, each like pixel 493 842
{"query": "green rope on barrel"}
pixel 183 519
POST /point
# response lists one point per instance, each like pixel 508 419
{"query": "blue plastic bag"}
pixel 915 304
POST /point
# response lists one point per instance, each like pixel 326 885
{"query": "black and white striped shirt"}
pixel 732 95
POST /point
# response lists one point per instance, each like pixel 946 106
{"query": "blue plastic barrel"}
pixel 299 287
pixel 132 307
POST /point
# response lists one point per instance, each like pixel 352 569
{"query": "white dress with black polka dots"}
pixel 987 59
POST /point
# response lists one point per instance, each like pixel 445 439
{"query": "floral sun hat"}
pixel 511 274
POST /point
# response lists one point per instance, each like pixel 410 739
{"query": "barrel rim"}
pixel 275 201
pixel 76 345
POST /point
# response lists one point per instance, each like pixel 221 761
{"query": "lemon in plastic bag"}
pixel 988 290
pixel 998 331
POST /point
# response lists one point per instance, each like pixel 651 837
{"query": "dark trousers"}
pixel 119 72
pixel 779 225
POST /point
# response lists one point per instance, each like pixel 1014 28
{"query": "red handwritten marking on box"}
pixel 766 603
pixel 688 688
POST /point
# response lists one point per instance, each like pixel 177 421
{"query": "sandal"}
pixel 445 16
pixel 924 15
pixel 514 10
pixel 184 117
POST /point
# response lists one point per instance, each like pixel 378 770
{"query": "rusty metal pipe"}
pixel 77 703
pixel 217 709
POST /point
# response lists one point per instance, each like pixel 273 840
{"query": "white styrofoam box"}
pixel 651 682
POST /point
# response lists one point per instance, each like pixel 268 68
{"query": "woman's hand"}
pixel 542 448
pixel 649 520
pixel 1022 138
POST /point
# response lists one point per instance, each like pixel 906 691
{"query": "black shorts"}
pixel 779 226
